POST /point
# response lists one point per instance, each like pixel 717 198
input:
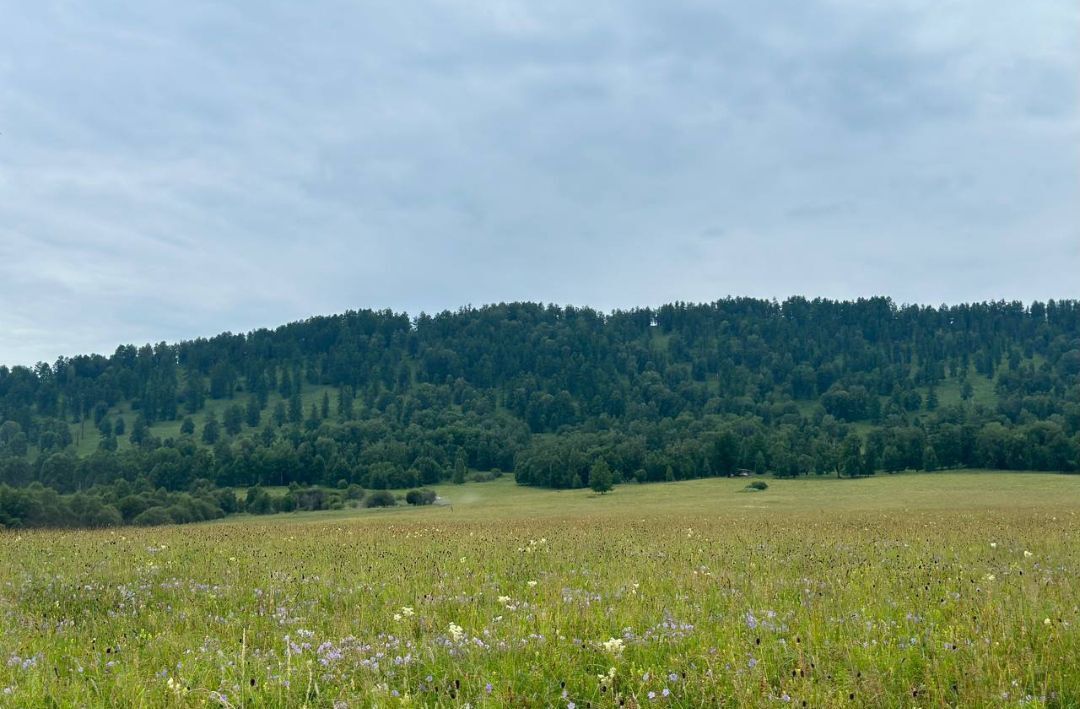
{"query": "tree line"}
pixel 382 400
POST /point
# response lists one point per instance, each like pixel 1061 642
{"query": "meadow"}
pixel 943 589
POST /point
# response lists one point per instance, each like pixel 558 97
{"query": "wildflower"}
pixel 652 695
pixel 532 584
pixel 614 646
pixel 990 577
pixel 503 599
pixel 456 632
pixel 397 617
pixel 1028 554
pixel 1046 621
pixel 176 687
pixel 666 692
pixel 488 688
pixel 993 545
pixel 407 611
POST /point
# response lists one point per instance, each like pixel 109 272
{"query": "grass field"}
pixel 955 589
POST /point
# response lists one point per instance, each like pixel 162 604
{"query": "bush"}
pixel 380 498
pixel 181 513
pixel 153 517
pixel 263 504
pixel 420 497
pixel 132 506
pixel 102 516
pixel 758 485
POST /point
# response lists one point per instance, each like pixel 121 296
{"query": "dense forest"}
pixel 378 400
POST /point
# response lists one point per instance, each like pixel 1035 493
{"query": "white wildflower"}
pixel 456 632
pixel 614 646
pixel 176 687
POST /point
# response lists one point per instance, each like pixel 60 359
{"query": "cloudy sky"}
pixel 170 170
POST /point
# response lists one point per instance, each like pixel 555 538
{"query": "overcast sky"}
pixel 176 169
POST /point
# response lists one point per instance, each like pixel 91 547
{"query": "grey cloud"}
pixel 172 171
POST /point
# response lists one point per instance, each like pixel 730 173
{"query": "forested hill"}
pixel 685 390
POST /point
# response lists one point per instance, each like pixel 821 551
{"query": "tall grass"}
pixel 672 604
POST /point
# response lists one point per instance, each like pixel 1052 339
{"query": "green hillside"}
pixel 381 399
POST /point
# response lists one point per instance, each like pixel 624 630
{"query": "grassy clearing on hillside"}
pixel 929 590
pixel 87 438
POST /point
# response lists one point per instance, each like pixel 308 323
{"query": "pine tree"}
pixel 600 477
pixel 459 468
pixel 233 419
pixel 296 407
pixel 345 403
pixel 280 415
pixel 851 462
pixel 253 411
pixel 211 429
pixel 931 399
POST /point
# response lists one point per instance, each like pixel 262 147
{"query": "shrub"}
pixel 132 506
pixel 285 503
pixel 263 504
pixel 380 498
pixel 153 517
pixel 758 485
pixel 181 513
pixel 101 516
pixel 420 497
